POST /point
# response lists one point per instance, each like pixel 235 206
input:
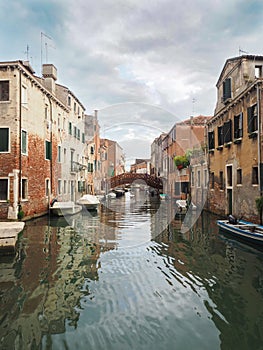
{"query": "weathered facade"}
pixel 42 140
pixel 235 139
pixel 141 166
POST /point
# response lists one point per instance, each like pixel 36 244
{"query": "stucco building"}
pixel 235 139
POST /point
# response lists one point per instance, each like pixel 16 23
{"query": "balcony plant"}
pixel 181 162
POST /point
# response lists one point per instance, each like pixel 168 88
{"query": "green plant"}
pixel 259 205
pixel 181 161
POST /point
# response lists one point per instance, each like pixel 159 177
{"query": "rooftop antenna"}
pixel 241 51
pixel 193 102
pixel 44 38
pixel 27 52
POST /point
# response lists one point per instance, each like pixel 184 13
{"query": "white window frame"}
pixel 26 197
pixel 24 153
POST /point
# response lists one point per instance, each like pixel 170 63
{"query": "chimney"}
pixel 96 113
pixel 49 72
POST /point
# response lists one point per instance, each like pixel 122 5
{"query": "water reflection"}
pixel 127 277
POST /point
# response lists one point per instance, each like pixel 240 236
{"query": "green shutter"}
pixel 24 142
pixel 48 150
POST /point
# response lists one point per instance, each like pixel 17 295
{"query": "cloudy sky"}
pixel 144 65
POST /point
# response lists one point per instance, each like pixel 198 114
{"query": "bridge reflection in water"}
pixel 129 178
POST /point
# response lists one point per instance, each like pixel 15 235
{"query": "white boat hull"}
pixel 89 202
pixel 65 208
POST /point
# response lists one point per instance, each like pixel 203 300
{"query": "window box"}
pixel 253 135
pixel 219 148
pixel 228 144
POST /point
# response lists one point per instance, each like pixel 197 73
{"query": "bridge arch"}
pixel 129 178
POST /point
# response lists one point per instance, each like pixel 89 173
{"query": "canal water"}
pixel 131 277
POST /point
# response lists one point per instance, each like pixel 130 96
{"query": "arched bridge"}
pixel 128 178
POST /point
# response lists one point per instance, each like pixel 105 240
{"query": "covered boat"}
pixel 89 201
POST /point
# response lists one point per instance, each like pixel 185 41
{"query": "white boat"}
pixel 182 206
pixel 111 195
pixel 89 201
pixel 64 208
pixel 242 229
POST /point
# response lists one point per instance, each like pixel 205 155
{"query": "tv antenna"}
pixel 241 51
pixel 46 40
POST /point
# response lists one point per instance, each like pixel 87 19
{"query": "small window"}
pixel 258 71
pixel 70 128
pixel 24 96
pixel 78 134
pixel 90 167
pixel 252 118
pixel 228 131
pixel 220 136
pixel 59 186
pixel 47 186
pixel 238 126
pixel 91 150
pixel 83 137
pixel 75 106
pixel 192 178
pixel 69 101
pixel 3 189
pixel 59 154
pixel 229 175
pixel 255 175
pixel 65 155
pixel 4 90
pixel 239 176
pixel 24 142
pixel 221 180
pixel 46 112
pixel 75 131
pixel 4 139
pixel 24 188
pixel 226 89
pixel 198 178
pixel 211 140
pixel 205 178
pixel 48 150
pixel 65 186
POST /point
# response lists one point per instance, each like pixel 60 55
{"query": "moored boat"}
pixel 242 229
pixel 89 201
pixel 64 208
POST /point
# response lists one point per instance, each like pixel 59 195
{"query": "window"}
pixel 24 142
pixel 255 175
pixel 75 131
pixel 47 185
pixel 239 176
pixel 238 126
pixel 91 150
pixel 220 136
pixel 228 131
pixel 24 96
pixel 221 180
pixel 212 180
pixel 59 154
pixel 205 178
pixel 4 90
pixel 65 155
pixel 59 186
pixel 72 160
pixel 78 134
pixel 65 186
pixel 211 140
pixel 69 101
pixel 46 112
pixel 252 118
pixel 258 71
pixel 48 150
pixel 192 178
pixel 226 89
pixel 4 139
pixel 24 188
pixel 81 186
pixel 90 167
pixel 229 175
pixel 75 106
pixel 199 178
pixel 70 128
pixel 3 189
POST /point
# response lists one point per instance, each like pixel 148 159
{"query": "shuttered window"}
pixel 211 140
pixel 220 136
pixel 48 150
pixel 238 126
pixel 24 142
pixel 4 139
pixel 252 119
pixel 228 131
pixel 227 89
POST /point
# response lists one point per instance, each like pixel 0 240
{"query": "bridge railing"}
pixel 128 178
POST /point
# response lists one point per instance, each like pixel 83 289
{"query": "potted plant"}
pixel 181 162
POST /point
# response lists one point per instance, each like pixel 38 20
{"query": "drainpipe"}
pixel 259 141
pixel 51 143
pixel 20 139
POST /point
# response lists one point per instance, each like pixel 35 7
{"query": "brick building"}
pixel 235 139
pixel 42 141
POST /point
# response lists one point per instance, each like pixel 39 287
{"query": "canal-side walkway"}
pixel 8 235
